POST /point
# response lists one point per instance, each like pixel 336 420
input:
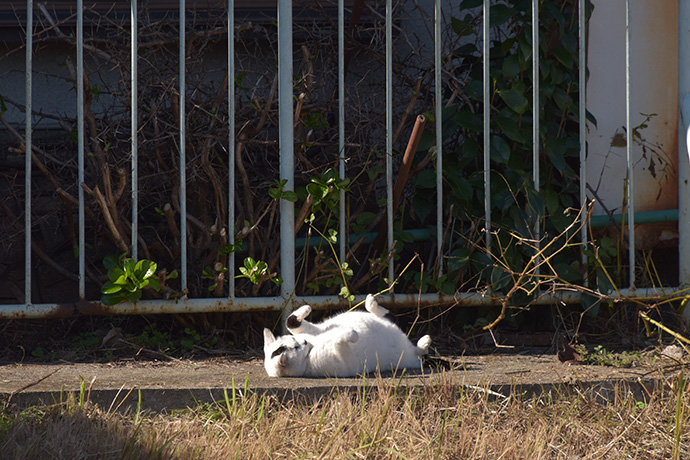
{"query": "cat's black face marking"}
pixel 278 351
pixel 282 349
pixel 293 322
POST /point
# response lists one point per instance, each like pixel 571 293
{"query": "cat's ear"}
pixel 269 338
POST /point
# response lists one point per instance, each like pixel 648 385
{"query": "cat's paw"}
pixel 351 336
pixel 373 306
pixel 424 343
pixel 294 321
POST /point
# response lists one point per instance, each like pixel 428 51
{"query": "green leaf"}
pixel 426 141
pixel 249 263
pixel 426 179
pixel 347 271
pixel 516 100
pixel 112 261
pixel 289 195
pixel 499 278
pixel 475 90
pixel 500 150
pixel 469 120
pixel 145 269
pixel 110 288
pixel 510 127
pixel 112 299
pixel 117 276
pixel 318 191
pixel 461 27
pixel 510 67
pixel 535 201
pixel 555 150
pixel 128 265
pixel 498 14
pixel 154 284
pixel 551 201
pixel 468 4
pixel 563 56
pixel 458 258
pixel 462 187
pixel 420 203
pixel 134 296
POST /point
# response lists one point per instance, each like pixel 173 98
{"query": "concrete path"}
pixel 179 384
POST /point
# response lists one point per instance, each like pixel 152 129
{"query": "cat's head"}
pixel 285 356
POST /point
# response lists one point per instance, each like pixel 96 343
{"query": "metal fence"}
pixel 287 300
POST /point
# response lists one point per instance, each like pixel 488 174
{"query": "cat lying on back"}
pixel 345 345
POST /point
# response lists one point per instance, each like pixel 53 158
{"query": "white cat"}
pixel 342 346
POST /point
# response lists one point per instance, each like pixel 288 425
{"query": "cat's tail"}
pixel 423 345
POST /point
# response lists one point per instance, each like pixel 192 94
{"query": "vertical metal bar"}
pixel 487 121
pixel 27 153
pixel 183 153
pixel 582 104
pixel 684 145
pixel 80 148
pixel 341 123
pixel 389 133
pixel 231 145
pixel 535 122
pixel 286 143
pixel 135 130
pixel 629 152
pixel 439 133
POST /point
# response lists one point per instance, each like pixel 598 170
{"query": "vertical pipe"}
pixel 135 129
pixel 684 145
pixel 487 121
pixel 389 133
pixel 439 134
pixel 535 122
pixel 231 145
pixel 286 145
pixel 183 153
pixel 80 148
pixel 28 151
pixel 629 153
pixel 582 104
pixel 341 123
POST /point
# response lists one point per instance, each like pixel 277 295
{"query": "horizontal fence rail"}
pixel 286 102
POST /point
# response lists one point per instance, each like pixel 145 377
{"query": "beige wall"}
pixel 654 89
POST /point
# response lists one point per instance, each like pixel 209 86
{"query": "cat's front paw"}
pixel 351 336
pixel 294 321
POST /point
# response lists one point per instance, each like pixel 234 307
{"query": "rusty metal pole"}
pixel 404 171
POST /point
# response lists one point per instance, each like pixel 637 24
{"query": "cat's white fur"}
pixel 345 345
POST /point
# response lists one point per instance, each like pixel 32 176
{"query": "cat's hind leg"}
pixel 423 345
pixel 373 306
pixel 297 324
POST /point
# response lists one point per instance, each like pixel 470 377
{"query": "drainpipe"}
pixel 683 144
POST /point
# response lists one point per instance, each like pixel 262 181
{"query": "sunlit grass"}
pixel 440 421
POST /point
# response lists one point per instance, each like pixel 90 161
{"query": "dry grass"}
pixel 439 422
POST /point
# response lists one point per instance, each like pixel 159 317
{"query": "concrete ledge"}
pixel 180 384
